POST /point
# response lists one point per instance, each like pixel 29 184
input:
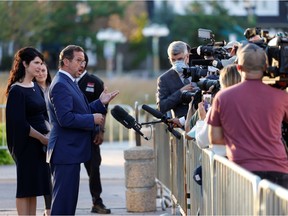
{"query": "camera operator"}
pixel 231 48
pixel 247 118
pixel 172 83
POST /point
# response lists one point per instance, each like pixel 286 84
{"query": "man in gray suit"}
pixel 171 84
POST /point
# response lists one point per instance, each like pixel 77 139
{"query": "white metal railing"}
pixel 273 199
pixel 3 144
pixel 234 189
pixel 227 188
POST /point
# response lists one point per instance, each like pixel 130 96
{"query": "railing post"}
pixel 138 138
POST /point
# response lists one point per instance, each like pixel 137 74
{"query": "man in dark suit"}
pixel 92 86
pixel 73 121
pixel 171 84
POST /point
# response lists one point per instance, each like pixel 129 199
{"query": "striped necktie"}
pixel 76 83
pixel 80 91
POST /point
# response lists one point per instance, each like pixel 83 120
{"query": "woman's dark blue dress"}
pixel 26 107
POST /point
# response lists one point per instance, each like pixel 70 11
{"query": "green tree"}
pixel 53 24
pixel 185 27
pixel 218 20
pixel 22 24
pixel 68 26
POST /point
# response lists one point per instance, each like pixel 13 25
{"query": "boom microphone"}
pixel 127 120
pixel 155 113
pixel 159 115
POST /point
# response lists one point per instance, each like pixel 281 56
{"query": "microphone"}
pixel 127 120
pixel 159 115
pixel 153 112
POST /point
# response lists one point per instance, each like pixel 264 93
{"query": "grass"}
pixel 131 89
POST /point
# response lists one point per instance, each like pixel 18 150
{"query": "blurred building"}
pixel 267 12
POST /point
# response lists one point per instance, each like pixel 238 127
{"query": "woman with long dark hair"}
pixel 26 130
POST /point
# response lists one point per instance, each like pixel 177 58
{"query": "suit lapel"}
pixel 77 89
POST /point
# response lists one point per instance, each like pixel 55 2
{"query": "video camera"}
pixel 210 51
pixel 186 97
pixel 200 64
pixel 203 57
pixel 276 48
pixel 197 93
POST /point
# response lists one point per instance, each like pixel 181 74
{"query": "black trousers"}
pixel 275 177
pixel 93 170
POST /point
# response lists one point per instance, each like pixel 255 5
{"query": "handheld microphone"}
pixel 127 120
pixel 159 115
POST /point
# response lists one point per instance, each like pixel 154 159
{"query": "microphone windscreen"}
pixel 152 111
pixel 118 112
pixel 122 116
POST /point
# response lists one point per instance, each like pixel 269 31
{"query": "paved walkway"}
pixel 113 183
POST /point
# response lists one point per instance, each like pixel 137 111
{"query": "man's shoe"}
pixel 100 209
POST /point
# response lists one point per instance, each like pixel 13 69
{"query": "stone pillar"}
pixel 141 189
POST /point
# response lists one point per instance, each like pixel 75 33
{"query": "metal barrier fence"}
pixel 273 200
pixel 194 190
pixel 234 189
pixel 227 189
pixel 178 175
pixel 3 144
pixel 207 185
pixel 162 150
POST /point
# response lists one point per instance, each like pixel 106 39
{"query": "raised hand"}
pixel 106 96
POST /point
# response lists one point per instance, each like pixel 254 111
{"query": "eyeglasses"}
pixel 80 61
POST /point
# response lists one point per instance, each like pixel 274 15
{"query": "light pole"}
pixel 155 31
pixel 110 37
pixel 250 7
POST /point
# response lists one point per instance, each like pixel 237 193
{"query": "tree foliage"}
pixel 22 22
pixel 185 27
pixel 55 24
pixel 68 26
pixel 217 20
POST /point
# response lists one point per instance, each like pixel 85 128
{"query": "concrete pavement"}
pixel 113 184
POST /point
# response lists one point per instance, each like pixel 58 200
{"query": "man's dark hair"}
pixel 68 53
pixel 86 60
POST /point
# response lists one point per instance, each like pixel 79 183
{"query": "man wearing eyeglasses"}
pixel 73 121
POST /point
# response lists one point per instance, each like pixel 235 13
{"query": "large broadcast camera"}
pixel 276 48
pixel 213 49
pixel 203 57
pixel 202 68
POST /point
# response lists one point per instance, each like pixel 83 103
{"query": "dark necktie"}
pixel 81 93
pixel 76 83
